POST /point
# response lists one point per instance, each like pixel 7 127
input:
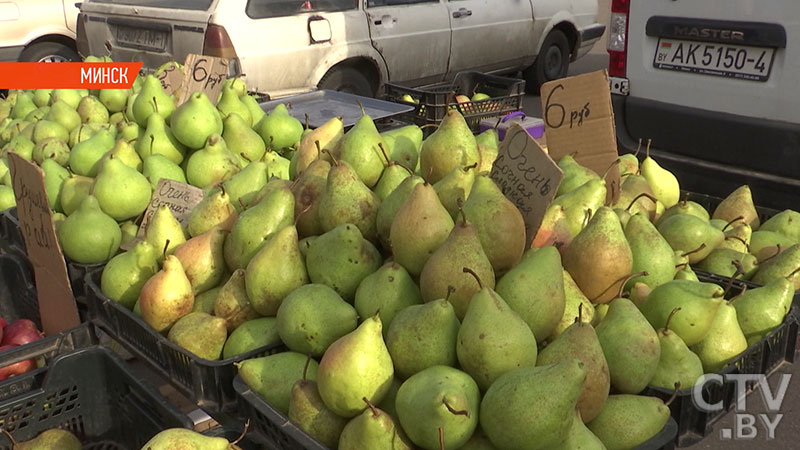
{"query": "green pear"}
pixel 451 145
pixel 763 239
pixel 313 317
pixel 65 115
pixel 786 223
pixel 308 189
pixel 272 377
pixel 663 183
pixel 423 336
pixel 195 121
pixel 202 260
pixel 347 200
pixel 403 145
pixel 69 96
pixel 180 438
pixel 156 167
pixel 389 400
pixel 23 106
pixel 21 146
pixel 229 103
pixel 738 238
pixel 92 110
pixel 699 303
pixel 277 165
pixel 275 271
pixel 628 421
pixel 41 97
pixel 738 203
pixel 687 233
pixel 130 131
pixel 389 207
pixel 580 437
pixel 783 265
pixel 576 306
pixel 373 429
pixel 44 129
pixel 678 367
pixel 308 411
pixel 257 224
pixel 166 296
pixel 580 342
pixel 211 165
pixel 74 189
pixel 123 192
pixel 241 139
pixel 341 259
pixel 125 152
pixel 51 148
pixel 54 176
pixel 251 335
pixel 202 334
pixel 354 367
pixel 158 139
pixel 114 100
pixel 630 345
pixel 493 339
pixel 724 261
pixel 242 187
pixel 205 302
pixel 232 302
pixel 651 253
pixel 628 164
pixel 386 292
pixel 589 196
pixel 763 309
pixel 324 138
pixel 89 236
pixel 214 210
pixel 507 405
pixel 86 156
pixel 125 274
pixel 255 109
pixel 684 207
pixel 455 187
pixel 392 176
pixel 279 129
pixel 488 148
pixel 723 342
pixel 152 100
pixel 439 404
pixel 575 175
pixel 54 438
pixel 164 231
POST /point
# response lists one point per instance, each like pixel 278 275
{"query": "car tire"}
pixel 346 79
pixel 551 63
pixel 49 52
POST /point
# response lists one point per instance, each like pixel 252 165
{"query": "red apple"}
pixel 17 368
pixel 21 332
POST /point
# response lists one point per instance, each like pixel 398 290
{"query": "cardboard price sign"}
pixel 203 73
pixel 527 176
pixel 579 119
pixel 57 307
pixel 180 197
pixel 171 79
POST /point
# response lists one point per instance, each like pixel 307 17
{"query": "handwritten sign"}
pixel 180 197
pixel 527 176
pixel 579 119
pixel 203 73
pixel 57 307
pixel 171 78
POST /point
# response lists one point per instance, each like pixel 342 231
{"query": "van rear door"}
pixel 149 31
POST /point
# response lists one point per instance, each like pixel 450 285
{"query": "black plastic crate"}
pixel 763 357
pixel 279 433
pixel 434 101
pixel 91 393
pixel 207 383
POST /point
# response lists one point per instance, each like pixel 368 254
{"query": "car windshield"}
pixel 197 5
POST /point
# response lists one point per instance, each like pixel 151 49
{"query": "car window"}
pixel 198 5
pixel 374 3
pixel 262 9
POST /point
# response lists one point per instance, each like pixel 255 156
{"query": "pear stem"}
pixel 475 275
pixel 244 156
pixel 793 273
pixel 166 246
pixel 222 188
pixel 684 198
pixel 746 245
pixel 335 161
pixel 460 203
pixel 471 166
pixel 152 141
pixel 246 427
pixel 305 368
pixel 372 407
pixel 674 394
pixel 638 148
pixel 319 148
pixel 457 412
pixel 450 290
pixel 363 113
pixel 307 119
pixel 305 210
pixel 681 266
pixel 574 154
pixel 702 246
pixel 441 439
pixel 429 125
pixel 621 280
pixel 777 252
pixel 738 272
pixel 732 222
pixel 385 156
pixel 616 161
pixel 587 217
pixel 10 437
pixel 669 319
pixel 744 289
pixel 580 313
pixel 155 104
pixel 647 150
pixel 643 194
pixel 410 172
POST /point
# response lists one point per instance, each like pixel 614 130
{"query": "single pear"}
pixel 686 232
pixel 242 187
pixel 373 429
pixel 213 211
pixel 360 148
pixel 211 165
pixel 389 207
pixel 575 175
pixel 386 292
pixel 354 367
pixel 272 377
pixel 452 145
pixel 455 187
pixel 275 271
pixel 164 231
pixel 576 306
pixel 251 335
pixel 86 156
pixel 663 183
pixel 158 139
pixel 488 148
pixel 580 342
pixel 202 260
pixel 341 259
pixel 241 139
pixel 73 190
pixel 195 121
pixel 279 129
pixel 156 167
pixel 403 144
pixel 699 303
pixel 423 336
pixel 54 438
pixel 761 239
pixel 723 342
pixel 783 265
pixel 50 148
pixel 392 176
pixel 493 339
pixel 630 345
pixel 325 137
pixel 308 411
pixel 725 262
pixel 205 302
pixel 628 421
pixel 125 152
pixel 738 203
pixel 581 202
pixel 125 274
pixel 41 97
pixel 45 129
pixel 54 176
pixel 232 302
pixel 786 222
pixel 166 296
pixel 229 104
pixel 181 438
pixel 347 200
pixel 21 146
pixel 152 100
pixel 202 334
pixel 256 112
pixel 651 253
pixel 308 188
pixel 439 405
pixel 763 309
pixel 91 109
pixel 554 229
pixel 123 192
pixel 628 164
pixel 507 405
pixel 89 236
pixel 678 366
pixel 313 317
pixel 23 106
pixel 114 100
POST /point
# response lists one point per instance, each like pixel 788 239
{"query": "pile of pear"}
pixel 104 151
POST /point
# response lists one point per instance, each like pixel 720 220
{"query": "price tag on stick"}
pixel 57 307
pixel 203 73
pixel 527 176
pixel 180 197
pixel 171 79
pixel 579 119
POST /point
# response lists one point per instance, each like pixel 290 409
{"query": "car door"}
pixel 489 35
pixel 413 36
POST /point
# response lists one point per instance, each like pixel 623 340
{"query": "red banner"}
pixel 68 75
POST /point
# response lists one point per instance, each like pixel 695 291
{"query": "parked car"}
pixel 714 85
pixel 38 30
pixel 286 47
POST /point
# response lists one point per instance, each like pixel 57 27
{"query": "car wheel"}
pixel 346 79
pixel 552 62
pixel 49 52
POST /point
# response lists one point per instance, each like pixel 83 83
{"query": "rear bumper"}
pixel 10 54
pixel 587 37
pixel 713 153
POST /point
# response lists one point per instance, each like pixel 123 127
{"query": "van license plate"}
pixel 733 61
pixel 141 38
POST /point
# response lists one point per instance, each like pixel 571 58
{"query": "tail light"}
pixel 218 43
pixel 618 38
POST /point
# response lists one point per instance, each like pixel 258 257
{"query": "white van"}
pixel 38 30
pixel 715 86
pixel 290 46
